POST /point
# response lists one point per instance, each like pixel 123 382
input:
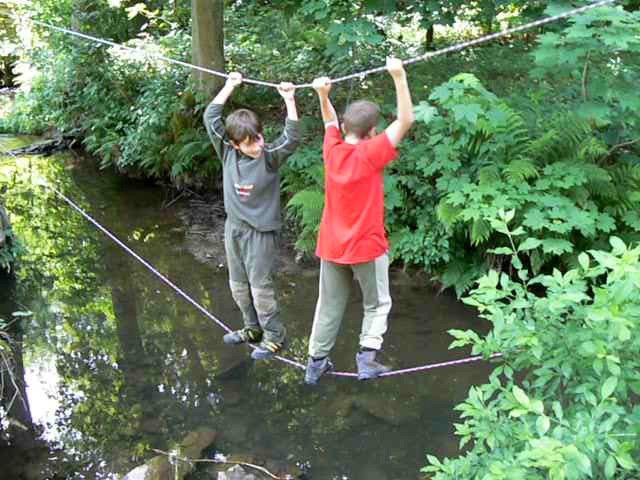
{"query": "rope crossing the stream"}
pixel 219 322
pixel 225 327
pixel 359 75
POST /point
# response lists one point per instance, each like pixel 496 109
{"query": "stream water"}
pixel 116 364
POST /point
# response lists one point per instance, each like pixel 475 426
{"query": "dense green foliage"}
pixel 563 403
pixel 489 137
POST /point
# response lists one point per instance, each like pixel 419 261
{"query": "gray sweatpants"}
pixel 335 288
pixel 251 257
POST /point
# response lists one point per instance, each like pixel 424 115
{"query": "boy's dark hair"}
pixel 361 117
pixel 243 124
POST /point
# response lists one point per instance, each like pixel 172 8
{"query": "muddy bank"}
pixel 203 217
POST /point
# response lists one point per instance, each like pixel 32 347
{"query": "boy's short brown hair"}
pixel 361 117
pixel 243 124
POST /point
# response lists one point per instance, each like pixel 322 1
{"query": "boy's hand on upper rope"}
pixel 322 85
pixel 233 80
pixel 395 67
pixel 287 91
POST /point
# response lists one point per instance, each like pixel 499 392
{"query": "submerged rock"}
pixel 234 366
pixel 386 411
pixel 236 473
pixel 160 468
pixel 250 467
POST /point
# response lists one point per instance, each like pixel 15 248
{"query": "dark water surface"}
pixel 117 364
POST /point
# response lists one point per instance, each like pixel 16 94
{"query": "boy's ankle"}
pixel 368 349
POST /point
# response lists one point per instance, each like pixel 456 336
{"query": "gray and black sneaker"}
pixel 368 367
pixel 315 369
pixel 245 335
pixel 267 350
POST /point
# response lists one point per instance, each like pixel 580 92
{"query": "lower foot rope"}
pixel 220 323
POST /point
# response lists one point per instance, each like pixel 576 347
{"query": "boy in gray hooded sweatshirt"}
pixel 251 183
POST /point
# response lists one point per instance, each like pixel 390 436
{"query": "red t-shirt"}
pixel 352 226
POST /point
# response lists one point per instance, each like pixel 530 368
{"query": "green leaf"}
pixel 608 387
pixel 508 215
pixel 583 260
pixel 556 246
pixel 537 406
pixel 625 460
pixel 618 245
pixel 501 251
pixel 441 93
pixel 529 244
pixel 469 112
pixel 521 397
pixel 518 412
pixel 584 464
pixel 542 425
pixel 610 467
pixel 557 409
pixel 425 112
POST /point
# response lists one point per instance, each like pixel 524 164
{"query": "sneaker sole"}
pixel 371 377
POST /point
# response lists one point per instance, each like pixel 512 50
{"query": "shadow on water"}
pixel 117 364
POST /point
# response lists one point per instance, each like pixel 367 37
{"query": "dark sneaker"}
pixel 250 335
pixel 267 350
pixel 368 367
pixel 315 369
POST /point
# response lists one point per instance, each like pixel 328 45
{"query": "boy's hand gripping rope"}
pixel 360 75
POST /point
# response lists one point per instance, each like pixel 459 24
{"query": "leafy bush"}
pixel 303 179
pixel 477 155
pixel 564 402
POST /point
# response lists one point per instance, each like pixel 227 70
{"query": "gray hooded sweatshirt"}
pixel 251 185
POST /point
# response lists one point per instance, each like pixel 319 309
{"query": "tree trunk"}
pixel 207 43
pixel 429 38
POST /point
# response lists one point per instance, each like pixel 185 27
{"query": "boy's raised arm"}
pixel 284 146
pixel 287 91
pixel 232 82
pixel 398 129
pixel 213 113
pixel 322 86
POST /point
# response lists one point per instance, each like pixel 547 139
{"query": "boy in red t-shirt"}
pixel 352 241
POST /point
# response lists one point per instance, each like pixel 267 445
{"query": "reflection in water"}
pixel 43 381
pixel 138 368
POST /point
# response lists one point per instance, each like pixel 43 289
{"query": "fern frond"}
pixel 489 174
pixel 308 205
pixel 480 231
pixel 521 169
pixel 592 149
pixel 565 134
pixel 462 274
pixel 315 173
pixel 447 213
pixel 623 187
